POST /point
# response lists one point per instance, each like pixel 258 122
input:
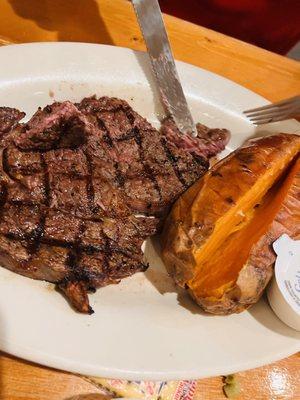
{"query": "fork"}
pixel 285 109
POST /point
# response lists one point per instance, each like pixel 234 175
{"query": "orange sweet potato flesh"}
pixel 217 240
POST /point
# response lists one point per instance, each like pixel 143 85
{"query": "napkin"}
pixel 148 390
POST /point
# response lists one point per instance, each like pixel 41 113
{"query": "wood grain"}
pixel 113 22
pixel 21 380
pixel 278 381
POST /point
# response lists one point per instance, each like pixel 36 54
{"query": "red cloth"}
pixel 271 24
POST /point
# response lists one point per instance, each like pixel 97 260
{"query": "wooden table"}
pixel 113 22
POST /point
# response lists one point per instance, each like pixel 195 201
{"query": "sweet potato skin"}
pixel 185 231
pixel 258 270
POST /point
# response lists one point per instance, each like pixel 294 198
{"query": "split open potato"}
pixel 217 240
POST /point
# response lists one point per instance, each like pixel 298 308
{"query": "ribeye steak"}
pixel 83 185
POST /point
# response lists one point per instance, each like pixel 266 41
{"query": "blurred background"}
pixel 271 24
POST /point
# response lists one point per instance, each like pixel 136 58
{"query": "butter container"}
pixel 284 290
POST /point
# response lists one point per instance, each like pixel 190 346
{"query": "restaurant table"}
pixel 113 22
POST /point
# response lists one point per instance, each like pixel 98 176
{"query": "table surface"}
pixel 113 22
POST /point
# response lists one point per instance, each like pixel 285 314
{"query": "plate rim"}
pixel 65 364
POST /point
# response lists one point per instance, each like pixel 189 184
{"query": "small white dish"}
pixel 284 290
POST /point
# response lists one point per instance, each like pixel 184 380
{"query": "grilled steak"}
pixel 83 185
pixel 9 118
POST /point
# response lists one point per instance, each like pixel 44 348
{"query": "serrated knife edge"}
pixel 153 29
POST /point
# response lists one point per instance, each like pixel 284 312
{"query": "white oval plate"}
pixel 142 328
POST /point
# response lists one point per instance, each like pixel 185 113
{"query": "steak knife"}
pixel 154 32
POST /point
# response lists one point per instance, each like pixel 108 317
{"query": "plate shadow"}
pixel 74 21
pixel 270 320
pixel 157 275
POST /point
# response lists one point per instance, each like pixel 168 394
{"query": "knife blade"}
pixel 154 32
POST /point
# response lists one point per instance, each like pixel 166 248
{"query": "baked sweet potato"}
pixel 217 239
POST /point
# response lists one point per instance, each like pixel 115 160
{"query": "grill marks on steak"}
pixel 82 186
pixel 149 168
pixel 119 129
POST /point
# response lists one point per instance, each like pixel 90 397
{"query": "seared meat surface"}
pixel 83 185
pixel 9 118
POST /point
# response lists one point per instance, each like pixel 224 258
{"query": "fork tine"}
pixel 265 120
pixel 279 111
pixel 274 105
pixel 275 109
pixel 271 109
pixel 273 113
pixel 258 109
pixel 269 118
